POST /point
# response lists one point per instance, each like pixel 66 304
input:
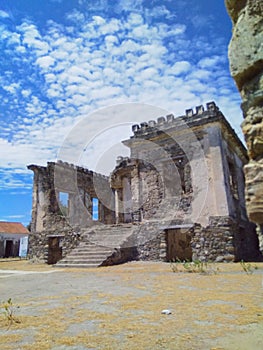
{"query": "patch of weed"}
pixel 9 312
pixel 247 267
pixel 195 266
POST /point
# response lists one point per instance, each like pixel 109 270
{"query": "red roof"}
pixel 12 227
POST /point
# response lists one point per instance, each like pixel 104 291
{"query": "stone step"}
pixel 90 245
pixel 107 227
pixel 98 244
pixel 89 253
pixel 82 261
pixel 107 231
pixel 86 265
pixel 87 256
pixel 106 236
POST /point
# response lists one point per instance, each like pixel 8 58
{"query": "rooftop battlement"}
pixel 170 120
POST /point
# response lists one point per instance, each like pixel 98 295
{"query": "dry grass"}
pixel 23 264
pixel 221 311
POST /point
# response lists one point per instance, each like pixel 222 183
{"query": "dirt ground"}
pixel 120 307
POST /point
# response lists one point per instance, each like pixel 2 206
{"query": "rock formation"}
pixel 246 65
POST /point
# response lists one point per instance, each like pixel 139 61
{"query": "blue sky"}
pixel 61 60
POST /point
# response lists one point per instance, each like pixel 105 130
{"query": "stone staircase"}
pixel 101 245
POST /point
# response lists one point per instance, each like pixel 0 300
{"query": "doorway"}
pixel 178 244
pixel 54 249
pixel 8 248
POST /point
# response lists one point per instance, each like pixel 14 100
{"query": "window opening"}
pixel 64 203
pixel 95 209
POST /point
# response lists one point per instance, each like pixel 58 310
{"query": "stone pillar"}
pixel 246 65
pixel 117 210
pixel 127 198
pixel 136 193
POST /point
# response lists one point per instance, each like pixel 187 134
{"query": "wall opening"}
pixel 8 248
pixel 63 198
pixel 233 180
pixel 54 249
pixel 178 244
pixel 95 209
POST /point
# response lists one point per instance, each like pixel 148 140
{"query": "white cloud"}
pixel 201 74
pixel 105 61
pixel 12 88
pixel 128 5
pixel 210 62
pixel 32 39
pixel 14 38
pixel 160 11
pixel 45 62
pixel 3 14
pixel 180 67
pixel 76 16
pixel 26 93
pixel 98 20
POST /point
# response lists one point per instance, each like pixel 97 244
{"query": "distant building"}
pixel 11 234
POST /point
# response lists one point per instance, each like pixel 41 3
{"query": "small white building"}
pixel 11 233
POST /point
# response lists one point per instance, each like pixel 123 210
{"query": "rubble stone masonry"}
pixel 246 65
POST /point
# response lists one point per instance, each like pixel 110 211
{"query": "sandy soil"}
pixel 120 307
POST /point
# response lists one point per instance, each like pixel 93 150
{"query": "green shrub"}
pixel 247 267
pixel 195 266
pixel 9 312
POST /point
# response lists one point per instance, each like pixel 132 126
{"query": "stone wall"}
pixel 48 216
pixel 81 186
pixel 149 240
pixel 246 65
pixel 39 242
pixel 225 239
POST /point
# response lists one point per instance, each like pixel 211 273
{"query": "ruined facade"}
pixel 180 195
pixel 246 65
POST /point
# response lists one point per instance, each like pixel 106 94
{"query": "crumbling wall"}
pixel 216 206
pixel 81 186
pixel 38 242
pixel 225 239
pixel 246 65
pixel 151 191
pixel 214 242
pixel 184 171
pixel 49 217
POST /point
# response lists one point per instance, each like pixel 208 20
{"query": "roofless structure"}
pixel 180 195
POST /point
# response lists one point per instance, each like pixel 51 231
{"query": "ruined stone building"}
pixel 180 195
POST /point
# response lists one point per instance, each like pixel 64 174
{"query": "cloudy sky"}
pixel 63 60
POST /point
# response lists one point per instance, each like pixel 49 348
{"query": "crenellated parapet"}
pixel 195 120
pixel 191 116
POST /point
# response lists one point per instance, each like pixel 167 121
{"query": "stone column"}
pixel 136 193
pixel 127 198
pixel 117 209
pixel 246 65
